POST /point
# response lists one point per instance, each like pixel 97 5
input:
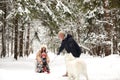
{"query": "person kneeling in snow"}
pixel 42 61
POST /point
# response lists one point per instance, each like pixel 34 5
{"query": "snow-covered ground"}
pixel 107 68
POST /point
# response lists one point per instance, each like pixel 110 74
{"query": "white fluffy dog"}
pixel 75 67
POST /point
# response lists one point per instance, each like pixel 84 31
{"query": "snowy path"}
pixel 107 68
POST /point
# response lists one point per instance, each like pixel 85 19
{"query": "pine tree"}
pixel 3 7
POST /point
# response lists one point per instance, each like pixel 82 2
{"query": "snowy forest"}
pixel 26 24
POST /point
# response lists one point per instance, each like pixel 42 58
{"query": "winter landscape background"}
pixel 25 25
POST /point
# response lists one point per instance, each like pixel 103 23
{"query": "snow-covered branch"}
pixel 104 22
pixel 65 8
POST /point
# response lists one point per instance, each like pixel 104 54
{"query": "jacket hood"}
pixel 68 36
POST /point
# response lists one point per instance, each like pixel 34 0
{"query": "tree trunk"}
pixel 107 19
pixel 115 36
pixel 21 41
pixel 78 35
pixel 16 38
pixel 108 26
pixel 3 54
pixel 27 41
pixel 7 38
pixel 12 41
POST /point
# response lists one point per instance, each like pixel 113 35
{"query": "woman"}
pixel 42 61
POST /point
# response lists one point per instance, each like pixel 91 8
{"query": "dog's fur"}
pixel 75 67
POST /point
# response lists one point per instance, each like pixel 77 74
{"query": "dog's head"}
pixel 69 57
